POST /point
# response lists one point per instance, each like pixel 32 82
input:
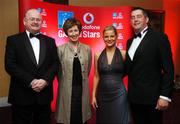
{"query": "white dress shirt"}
pixel 135 43
pixel 35 45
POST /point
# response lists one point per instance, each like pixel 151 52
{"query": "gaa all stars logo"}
pixel 88 18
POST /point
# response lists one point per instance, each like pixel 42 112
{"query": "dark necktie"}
pixel 31 35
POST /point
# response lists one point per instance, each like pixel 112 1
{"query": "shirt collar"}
pixel 144 30
pixel 28 33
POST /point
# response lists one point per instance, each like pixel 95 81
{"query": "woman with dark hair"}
pixel 109 94
pixel 73 100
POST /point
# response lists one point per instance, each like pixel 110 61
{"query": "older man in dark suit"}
pixel 32 62
pixel 150 71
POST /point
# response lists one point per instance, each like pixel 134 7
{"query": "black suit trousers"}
pixel 31 114
pixel 145 114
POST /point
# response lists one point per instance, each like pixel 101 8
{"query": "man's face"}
pixel 138 20
pixel 33 21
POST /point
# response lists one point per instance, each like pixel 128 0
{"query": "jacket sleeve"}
pixel 11 64
pixel 59 51
pixel 167 66
pixel 89 60
pixel 54 65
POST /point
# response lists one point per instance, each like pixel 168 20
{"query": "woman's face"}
pixel 110 38
pixel 73 33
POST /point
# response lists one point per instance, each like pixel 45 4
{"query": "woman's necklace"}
pixel 75 51
pixel 75 55
pixel 74 48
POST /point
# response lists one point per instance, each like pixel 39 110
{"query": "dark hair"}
pixel 145 13
pixel 70 22
pixel 110 27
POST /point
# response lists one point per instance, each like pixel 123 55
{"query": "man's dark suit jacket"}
pixel 21 65
pixel 151 73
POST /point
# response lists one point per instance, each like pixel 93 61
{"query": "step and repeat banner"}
pixel 93 19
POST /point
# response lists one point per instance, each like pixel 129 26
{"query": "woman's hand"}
pixel 94 102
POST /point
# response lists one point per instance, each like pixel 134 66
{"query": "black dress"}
pixel 112 101
pixel 76 99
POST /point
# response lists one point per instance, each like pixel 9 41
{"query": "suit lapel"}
pixel 128 60
pixel 142 46
pixel 42 50
pixel 29 48
pixel 139 50
pixel 128 46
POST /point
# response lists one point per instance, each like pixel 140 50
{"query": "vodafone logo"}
pixel 88 18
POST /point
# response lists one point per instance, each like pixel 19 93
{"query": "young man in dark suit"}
pixel 150 71
pixel 32 62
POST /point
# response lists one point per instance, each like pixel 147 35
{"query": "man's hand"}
pixel 162 104
pixel 38 85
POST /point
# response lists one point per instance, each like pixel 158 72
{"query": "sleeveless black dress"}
pixel 112 101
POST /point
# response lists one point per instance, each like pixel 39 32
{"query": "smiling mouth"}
pixel 136 24
pixel 74 37
pixel 109 42
pixel 35 26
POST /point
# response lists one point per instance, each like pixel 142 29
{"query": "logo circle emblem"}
pixel 88 18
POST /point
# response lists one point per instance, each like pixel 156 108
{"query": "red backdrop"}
pixel 93 19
